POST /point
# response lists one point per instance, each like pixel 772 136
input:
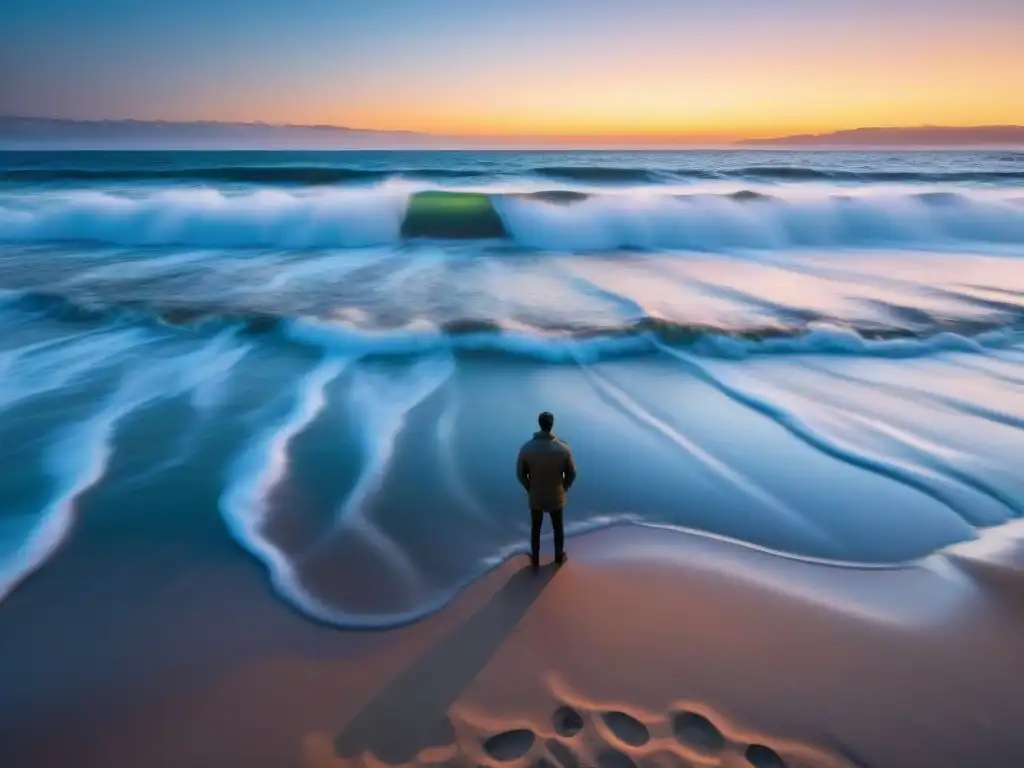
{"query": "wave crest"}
pixel 552 343
pixel 555 220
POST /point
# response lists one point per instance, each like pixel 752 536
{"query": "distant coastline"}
pixel 57 133
pixel 939 137
pixel 18 133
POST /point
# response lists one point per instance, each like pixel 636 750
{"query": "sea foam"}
pixel 346 218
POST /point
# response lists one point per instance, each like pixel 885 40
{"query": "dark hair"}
pixel 546 421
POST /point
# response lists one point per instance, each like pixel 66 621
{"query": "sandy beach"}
pixel 650 647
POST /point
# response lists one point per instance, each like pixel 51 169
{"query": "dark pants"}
pixel 537 520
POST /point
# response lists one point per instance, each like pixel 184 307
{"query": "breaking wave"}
pixel 556 344
pixel 555 220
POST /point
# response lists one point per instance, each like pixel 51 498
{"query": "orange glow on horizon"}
pixel 668 114
pixel 869 76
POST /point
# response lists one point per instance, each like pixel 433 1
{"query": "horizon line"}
pixel 730 138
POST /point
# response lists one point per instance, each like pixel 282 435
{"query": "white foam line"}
pixel 936 562
pixel 384 421
pixel 336 336
pixel 909 474
pixel 129 268
pixel 43 374
pixel 912 393
pixel 91 439
pixel 990 373
pixel 830 339
pixel 944 460
pixel 55 522
pixel 597 523
pixel 9 358
pixel 446 453
pixel 223 352
pixel 384 418
pixel 319 268
pixel 206 394
pixel 709 461
pixel 209 218
pixel 258 471
pixel 629 308
pixel 79 459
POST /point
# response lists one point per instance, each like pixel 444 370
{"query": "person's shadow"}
pixel 410 713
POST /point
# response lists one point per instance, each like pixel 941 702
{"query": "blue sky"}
pixel 519 66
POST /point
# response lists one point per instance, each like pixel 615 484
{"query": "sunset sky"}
pixel 660 68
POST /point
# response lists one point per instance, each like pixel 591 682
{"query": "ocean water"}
pixel 332 358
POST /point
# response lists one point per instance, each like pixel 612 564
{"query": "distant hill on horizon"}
pixel 923 136
pixel 57 133
pixel 17 132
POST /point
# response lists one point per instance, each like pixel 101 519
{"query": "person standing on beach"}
pixel 546 470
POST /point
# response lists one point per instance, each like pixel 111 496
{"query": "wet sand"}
pixel 650 647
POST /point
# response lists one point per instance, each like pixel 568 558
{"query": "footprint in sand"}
pixel 761 756
pixel 567 722
pixel 699 733
pixel 626 728
pixel 691 730
pixel 510 745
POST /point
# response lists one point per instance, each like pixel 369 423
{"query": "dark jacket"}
pixel 546 470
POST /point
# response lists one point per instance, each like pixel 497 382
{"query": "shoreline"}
pixel 823 666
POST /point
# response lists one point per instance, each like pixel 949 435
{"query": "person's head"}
pixel 546 422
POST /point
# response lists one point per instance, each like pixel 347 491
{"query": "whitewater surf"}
pixel 328 358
